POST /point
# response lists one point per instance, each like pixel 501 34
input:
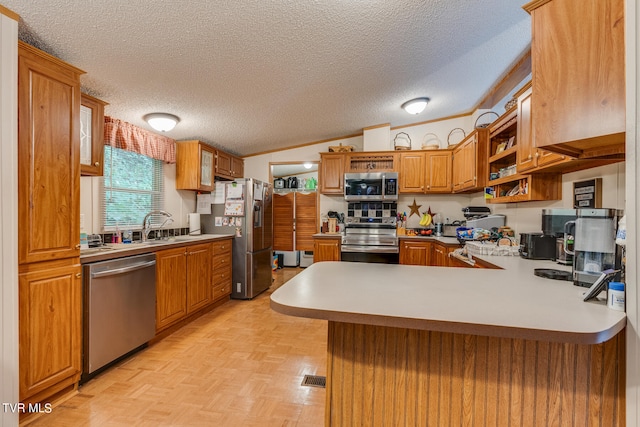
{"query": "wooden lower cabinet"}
pixel 50 331
pixel 185 281
pixel 425 252
pixel 199 293
pixel 379 375
pixel 171 286
pixel 222 269
pixel 326 249
pixel 413 252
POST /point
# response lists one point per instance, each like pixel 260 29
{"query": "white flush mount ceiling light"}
pixel 307 165
pixel 162 122
pixel 415 106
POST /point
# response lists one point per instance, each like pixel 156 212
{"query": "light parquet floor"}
pixel 238 365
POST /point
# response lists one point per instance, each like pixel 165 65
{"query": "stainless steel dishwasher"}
pixel 119 308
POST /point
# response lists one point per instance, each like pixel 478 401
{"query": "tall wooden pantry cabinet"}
pixel 50 285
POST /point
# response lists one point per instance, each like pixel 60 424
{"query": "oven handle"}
pixel 370 249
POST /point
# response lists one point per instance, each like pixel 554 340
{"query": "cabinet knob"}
pixel 428 187
pixel 96 164
pixel 537 155
pixel 530 157
pixel 78 275
pixel 77 246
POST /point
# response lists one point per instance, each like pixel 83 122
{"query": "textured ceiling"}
pixel 254 75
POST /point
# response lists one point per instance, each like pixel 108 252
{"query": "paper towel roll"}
pixel 194 224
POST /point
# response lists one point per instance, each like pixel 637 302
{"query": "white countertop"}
pixel 511 303
pixel 119 250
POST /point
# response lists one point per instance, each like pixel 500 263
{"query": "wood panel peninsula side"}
pixel 413 345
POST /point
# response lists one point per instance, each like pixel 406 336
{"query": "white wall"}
pixel 9 216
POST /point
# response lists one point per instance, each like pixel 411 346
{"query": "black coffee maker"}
pixel 553 221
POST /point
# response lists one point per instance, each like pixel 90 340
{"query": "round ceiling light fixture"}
pixel 162 122
pixel 415 106
pixel 307 165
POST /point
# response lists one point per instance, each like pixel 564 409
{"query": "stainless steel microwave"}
pixel 371 186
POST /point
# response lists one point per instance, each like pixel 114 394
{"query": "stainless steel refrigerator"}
pixel 247 212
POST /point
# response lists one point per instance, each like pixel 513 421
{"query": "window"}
pixel 132 186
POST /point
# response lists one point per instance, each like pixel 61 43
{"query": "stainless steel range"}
pixel 370 233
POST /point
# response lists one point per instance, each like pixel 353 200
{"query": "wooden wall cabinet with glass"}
pixel 194 166
pixel 470 162
pixel 331 173
pixel 49 272
pixel 425 171
pixel 326 248
pixel 228 166
pixel 91 135
pixel 578 72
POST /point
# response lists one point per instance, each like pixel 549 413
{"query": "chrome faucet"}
pixel 146 227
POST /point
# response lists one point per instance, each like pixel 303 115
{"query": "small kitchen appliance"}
pixel 553 221
pixel 537 246
pixel 481 217
pixel 595 249
pixel 373 186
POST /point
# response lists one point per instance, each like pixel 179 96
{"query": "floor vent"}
pixel 314 381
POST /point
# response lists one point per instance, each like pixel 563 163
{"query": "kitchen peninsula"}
pixel 409 345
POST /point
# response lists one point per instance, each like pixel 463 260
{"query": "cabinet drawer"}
pixel 221 261
pixel 221 276
pixel 222 247
pixel 221 290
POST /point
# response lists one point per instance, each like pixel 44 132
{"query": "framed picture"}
pixel 510 142
pixel 501 147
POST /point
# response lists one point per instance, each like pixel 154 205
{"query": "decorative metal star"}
pixel 415 208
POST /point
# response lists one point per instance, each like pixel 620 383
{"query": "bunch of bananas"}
pixel 425 221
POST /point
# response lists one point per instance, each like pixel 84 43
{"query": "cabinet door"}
pixel 48 158
pixel 578 72
pixel 223 164
pixel 332 173
pixel 439 255
pixel 527 154
pixel 171 286
pixel 326 250
pixel 306 213
pixel 464 165
pixel 206 168
pixel 439 167
pixel 283 206
pixel 237 167
pixel 91 135
pixel 415 253
pixel 222 268
pixel 412 172
pixel 199 259
pixel 50 312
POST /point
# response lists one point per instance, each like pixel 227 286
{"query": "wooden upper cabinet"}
pixel 194 166
pixel 470 162
pixel 331 174
pixel 438 175
pixel 228 166
pixel 530 157
pixel 578 72
pixel 91 135
pixel 48 157
pixel 412 172
pixel 425 171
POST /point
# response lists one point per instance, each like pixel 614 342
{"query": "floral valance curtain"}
pixel 126 136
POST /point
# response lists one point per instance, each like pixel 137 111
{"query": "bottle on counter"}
pixel 615 296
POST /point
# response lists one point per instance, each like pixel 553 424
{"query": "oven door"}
pixel 363 186
pixel 369 253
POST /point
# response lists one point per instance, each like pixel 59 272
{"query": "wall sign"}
pixel 587 194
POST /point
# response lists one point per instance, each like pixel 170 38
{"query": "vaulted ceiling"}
pixel 254 75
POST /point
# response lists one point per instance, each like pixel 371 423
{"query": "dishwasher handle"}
pixel 122 270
